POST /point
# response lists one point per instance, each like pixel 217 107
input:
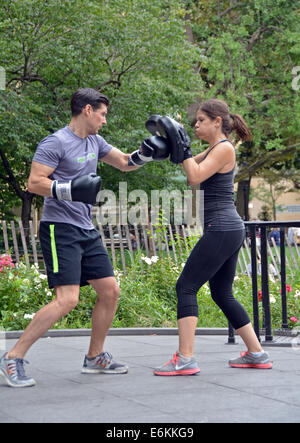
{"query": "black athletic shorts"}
pixel 73 255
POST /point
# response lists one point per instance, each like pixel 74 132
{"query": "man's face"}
pixel 95 119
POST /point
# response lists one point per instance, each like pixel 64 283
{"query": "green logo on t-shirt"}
pixel 89 156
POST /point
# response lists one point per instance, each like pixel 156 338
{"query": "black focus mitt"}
pixel 177 137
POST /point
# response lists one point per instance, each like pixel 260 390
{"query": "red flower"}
pixel 259 295
pixel 294 319
pixel 288 288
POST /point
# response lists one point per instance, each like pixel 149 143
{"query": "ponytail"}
pixel 240 127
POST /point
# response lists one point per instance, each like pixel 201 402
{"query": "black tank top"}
pixel 219 213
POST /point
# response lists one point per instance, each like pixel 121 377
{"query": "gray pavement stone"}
pixel 219 394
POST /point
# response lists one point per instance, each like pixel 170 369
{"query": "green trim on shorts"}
pixel 53 249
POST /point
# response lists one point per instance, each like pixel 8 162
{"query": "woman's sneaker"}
pixel 249 360
pixel 103 364
pixel 179 365
pixel 12 370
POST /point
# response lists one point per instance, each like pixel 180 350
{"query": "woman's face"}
pixel 205 127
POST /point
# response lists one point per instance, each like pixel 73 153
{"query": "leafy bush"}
pixel 23 291
pixel 148 297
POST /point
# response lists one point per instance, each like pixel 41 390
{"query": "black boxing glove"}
pixel 159 146
pixel 153 148
pixel 151 124
pixel 187 153
pixel 82 189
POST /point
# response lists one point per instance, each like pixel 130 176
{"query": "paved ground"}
pixel 219 394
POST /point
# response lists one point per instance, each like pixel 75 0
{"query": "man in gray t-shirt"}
pixel 64 172
pixel 71 156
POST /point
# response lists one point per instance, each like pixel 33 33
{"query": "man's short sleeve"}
pixel 49 151
pixel 104 147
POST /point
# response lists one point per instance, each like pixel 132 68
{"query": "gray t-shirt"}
pixel 71 156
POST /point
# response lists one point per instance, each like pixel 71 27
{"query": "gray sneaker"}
pixel 248 360
pixel 178 366
pixel 12 370
pixel 103 364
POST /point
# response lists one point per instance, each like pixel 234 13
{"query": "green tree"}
pixel 21 123
pixel 249 50
pixel 135 52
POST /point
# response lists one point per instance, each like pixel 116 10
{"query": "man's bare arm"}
pixel 39 181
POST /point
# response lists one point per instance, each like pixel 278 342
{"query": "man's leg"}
pixel 97 361
pixel 66 299
pixel 104 311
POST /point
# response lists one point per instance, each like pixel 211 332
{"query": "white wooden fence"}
pixel 122 241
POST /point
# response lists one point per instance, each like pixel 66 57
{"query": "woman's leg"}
pixel 249 337
pixel 203 262
pixel 221 291
pixel 186 331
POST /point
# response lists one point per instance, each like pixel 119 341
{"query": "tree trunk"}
pixel 242 200
pixel 26 211
pixel 25 196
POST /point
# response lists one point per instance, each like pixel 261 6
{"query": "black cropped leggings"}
pixel 213 259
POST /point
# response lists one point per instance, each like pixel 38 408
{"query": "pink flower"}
pixel 6 260
pixel 288 288
pixel 259 295
pixel 294 319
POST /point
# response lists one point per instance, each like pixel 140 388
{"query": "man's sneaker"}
pixel 103 364
pixel 12 370
pixel 178 366
pixel 248 360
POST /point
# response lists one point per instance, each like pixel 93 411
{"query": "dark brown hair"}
pixel 214 108
pixel 87 96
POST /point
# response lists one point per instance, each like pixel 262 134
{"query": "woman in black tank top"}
pixel 214 257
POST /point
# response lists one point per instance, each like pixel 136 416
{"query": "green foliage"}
pixel 22 292
pixel 148 297
pixel 155 56
pixel 22 121
pixel 134 52
pixel 249 51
